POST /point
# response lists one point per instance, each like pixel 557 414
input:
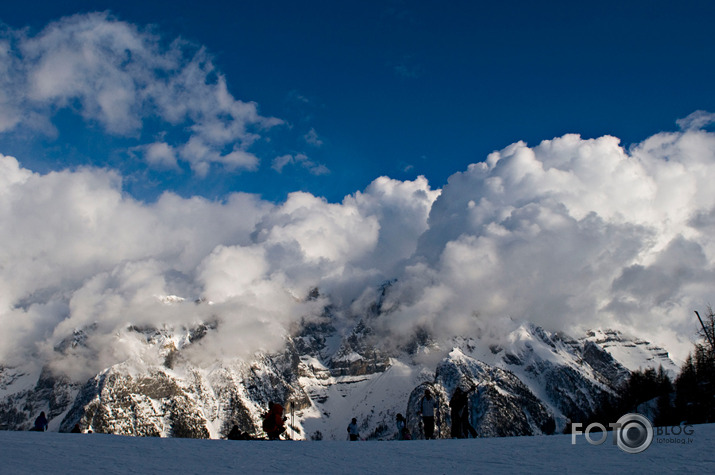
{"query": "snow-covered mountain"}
pixel 633 353
pixel 531 382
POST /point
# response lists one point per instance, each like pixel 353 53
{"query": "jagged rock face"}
pixel 151 405
pixel 604 365
pixel 163 404
pixel 355 364
pixel 229 403
pixel 358 355
pixel 575 396
pixel 311 338
pixel 573 376
pixel 498 415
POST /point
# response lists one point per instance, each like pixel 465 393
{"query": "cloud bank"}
pixel 78 252
pixel 570 234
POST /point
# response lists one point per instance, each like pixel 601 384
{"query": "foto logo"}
pixel 633 433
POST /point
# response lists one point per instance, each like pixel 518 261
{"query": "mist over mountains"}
pixel 569 234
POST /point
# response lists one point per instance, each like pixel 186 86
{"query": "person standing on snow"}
pixel 41 423
pixel 458 405
pixel 402 432
pixel 273 421
pixel 427 407
pixel 353 432
pixel 235 434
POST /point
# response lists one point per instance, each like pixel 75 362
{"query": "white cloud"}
pixel 280 162
pixel 402 209
pixel 312 138
pixel 320 231
pixel 571 234
pixel 301 160
pixel 201 155
pixel 113 73
pixel 160 155
pixel 10 97
pixel 696 120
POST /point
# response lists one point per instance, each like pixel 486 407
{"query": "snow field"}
pixel 32 452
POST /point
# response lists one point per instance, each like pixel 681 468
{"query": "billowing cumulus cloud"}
pixel 571 234
pixel 121 77
pixel 79 253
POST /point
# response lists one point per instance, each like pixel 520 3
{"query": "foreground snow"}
pixel 31 452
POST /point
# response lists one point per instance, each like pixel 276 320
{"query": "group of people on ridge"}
pixel 428 410
pixel 459 412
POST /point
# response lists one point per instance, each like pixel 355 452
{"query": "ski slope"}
pixel 32 452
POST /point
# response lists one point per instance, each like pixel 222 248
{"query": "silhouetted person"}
pixel 76 429
pixel 402 432
pixel 427 407
pixel 458 406
pixel 353 431
pixel 41 423
pixel 273 421
pixel 235 434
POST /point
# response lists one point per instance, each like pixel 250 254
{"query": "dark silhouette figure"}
pixel 273 421
pixel 461 428
pixel 76 429
pixel 427 410
pixel 458 406
pixel 402 432
pixel 353 431
pixel 235 434
pixel 40 423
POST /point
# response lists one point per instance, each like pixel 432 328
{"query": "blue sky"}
pixel 396 88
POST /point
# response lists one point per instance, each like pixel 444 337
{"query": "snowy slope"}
pixel 631 352
pixel 374 399
pixel 29 453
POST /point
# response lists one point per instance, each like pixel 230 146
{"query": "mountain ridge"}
pixel 533 382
